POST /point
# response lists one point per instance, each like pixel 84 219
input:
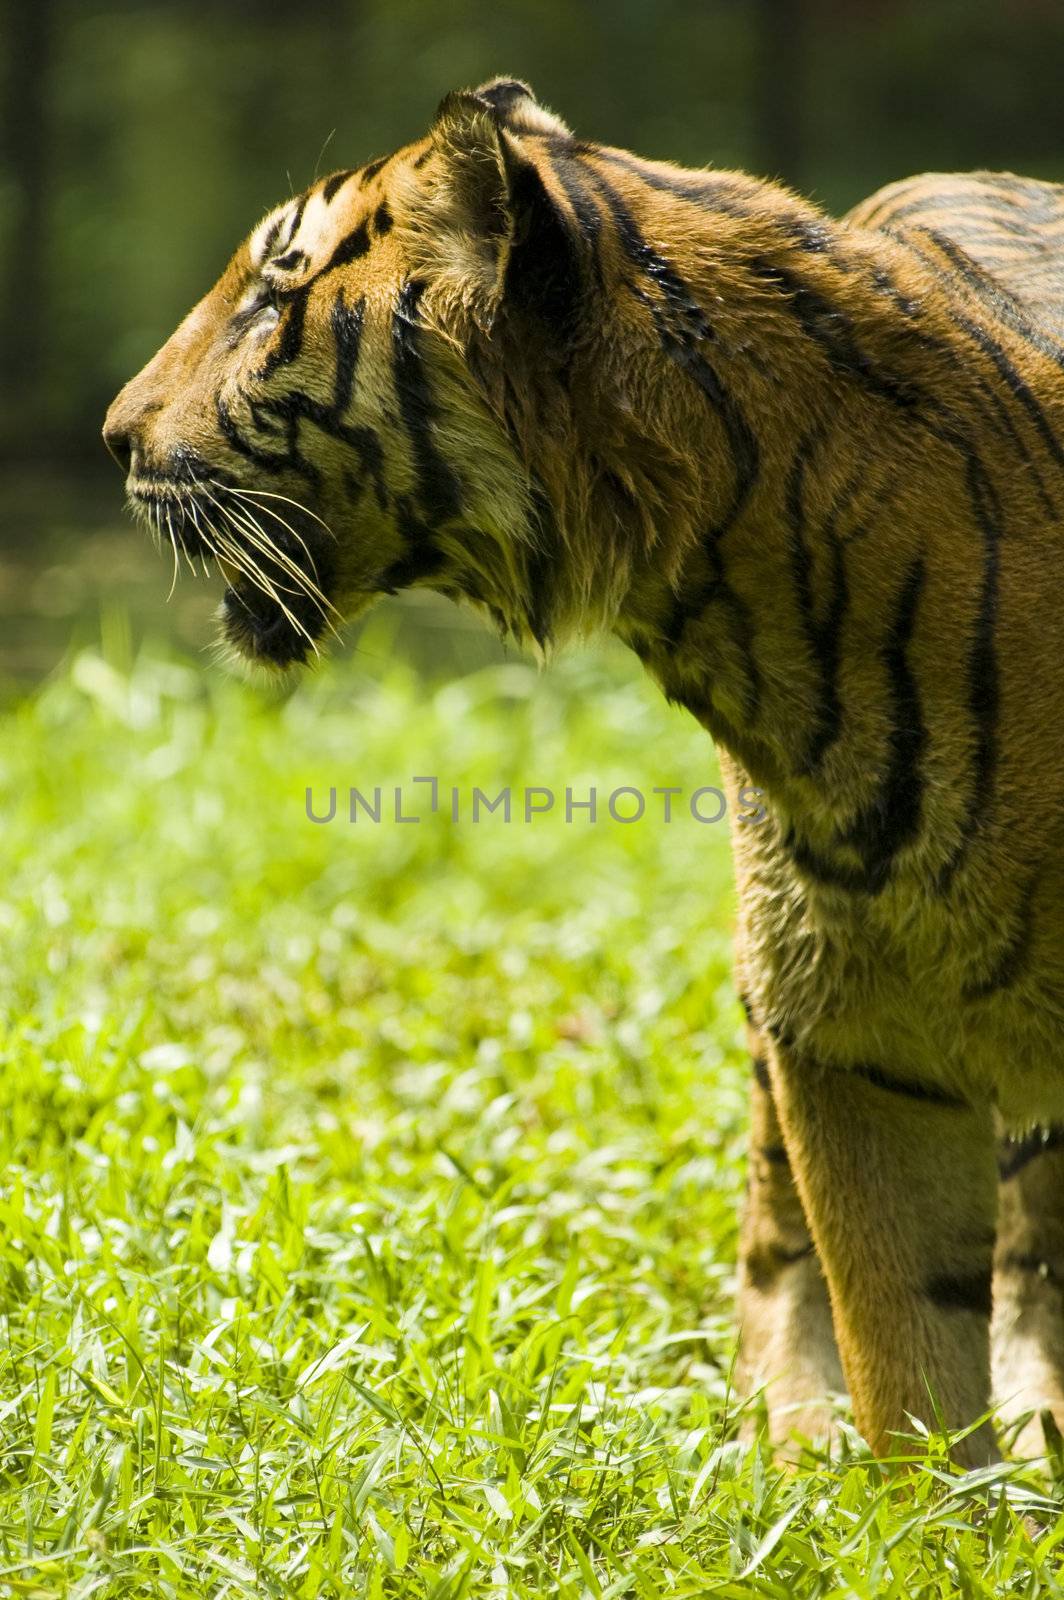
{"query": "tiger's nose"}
pixel 126 424
pixel 120 443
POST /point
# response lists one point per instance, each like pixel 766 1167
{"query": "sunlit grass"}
pixel 369 1194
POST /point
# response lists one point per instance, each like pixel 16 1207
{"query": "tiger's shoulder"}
pixel 1011 227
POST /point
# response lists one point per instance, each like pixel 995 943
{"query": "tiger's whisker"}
pixel 251 530
pixel 229 551
pixel 173 545
pixel 248 534
pixel 260 539
pixel 270 494
pixel 278 518
pixel 304 580
pixel 179 544
pixel 306 585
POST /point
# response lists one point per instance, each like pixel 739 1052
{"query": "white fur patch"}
pixel 287 227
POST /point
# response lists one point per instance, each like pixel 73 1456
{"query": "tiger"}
pixel 810 471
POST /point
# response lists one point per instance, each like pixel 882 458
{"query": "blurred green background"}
pixel 143 138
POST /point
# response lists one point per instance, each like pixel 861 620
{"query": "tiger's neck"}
pixel 786 436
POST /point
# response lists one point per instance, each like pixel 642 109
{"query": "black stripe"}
pixel 761 1074
pixel 829 328
pixel 822 636
pixel 332 185
pixel 1020 243
pixel 371 169
pixel 1005 306
pixel 268 460
pixel 289 344
pixel 943 200
pixel 702 189
pixel 831 873
pixel 909 1089
pixel 751 751
pixel 348 323
pixel 961 1291
pixel 541 562
pixel 742 442
pixel 812 234
pixel 1014 1154
pixel 939 350
pixel 296 218
pixel 983 683
pixel 1016 442
pixel 439 489
pixel 1018 386
pixel 1012 955
pixel 271 238
pixel 1041 200
pixel 829 629
pixel 787 1256
pixel 1013 235
pixel 382 219
pixel 350 249
pixel 679 323
pixel 423 557
pixel 692 599
pixel 892 818
pixel 687 319
pixel 572 181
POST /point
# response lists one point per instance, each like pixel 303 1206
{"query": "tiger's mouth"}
pixel 276 557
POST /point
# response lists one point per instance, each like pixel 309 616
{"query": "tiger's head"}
pixel 350 410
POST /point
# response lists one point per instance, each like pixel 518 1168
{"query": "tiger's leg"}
pixel 786 1338
pixel 1028 1327
pixel 900 1188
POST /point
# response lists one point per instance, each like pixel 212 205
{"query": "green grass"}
pixel 369 1195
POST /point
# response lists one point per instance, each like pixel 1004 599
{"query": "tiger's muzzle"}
pixel 277 558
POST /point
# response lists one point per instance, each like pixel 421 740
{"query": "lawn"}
pixel 369 1197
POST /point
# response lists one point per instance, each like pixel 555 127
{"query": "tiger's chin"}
pixel 281 632
pixel 258 631
pixel 263 631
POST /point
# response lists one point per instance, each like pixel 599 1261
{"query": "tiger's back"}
pixel 1011 227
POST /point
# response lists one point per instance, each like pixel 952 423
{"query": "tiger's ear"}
pixel 474 172
pixel 518 109
pixel 490 231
